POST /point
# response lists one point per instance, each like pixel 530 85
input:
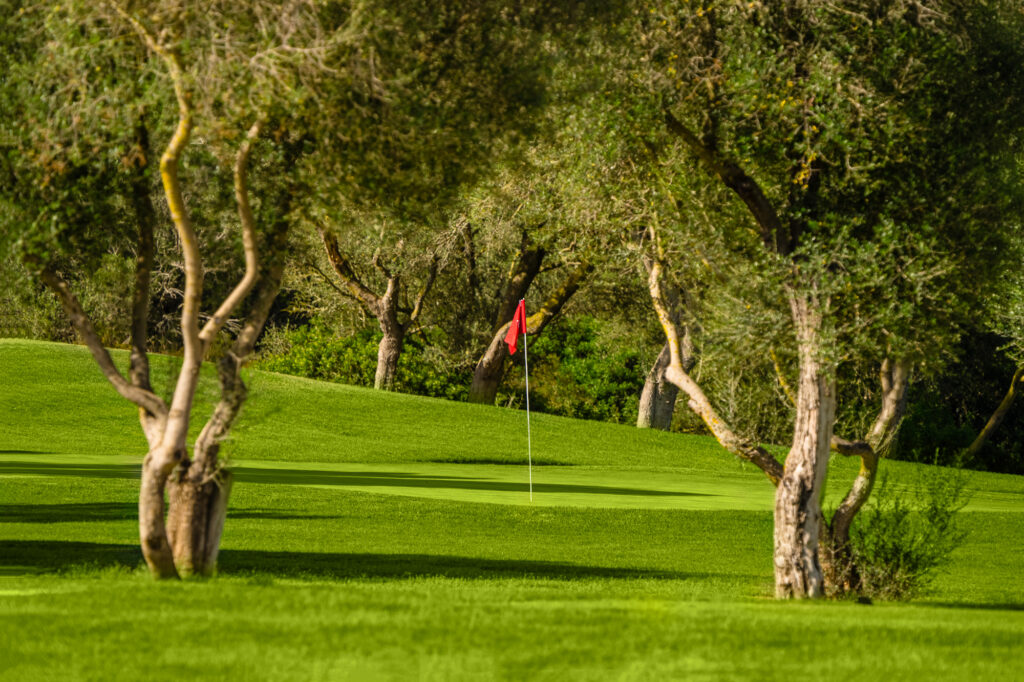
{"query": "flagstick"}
pixel 529 447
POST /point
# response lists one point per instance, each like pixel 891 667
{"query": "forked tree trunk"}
pixel 191 534
pixel 490 369
pixel 386 307
pixel 798 516
pixel 195 520
pixel 658 398
pixel 841 573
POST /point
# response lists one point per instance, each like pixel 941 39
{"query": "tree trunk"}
pixel 491 367
pixel 489 371
pixel 390 347
pixel 658 399
pixel 388 352
pixel 156 549
pixel 997 417
pixel 798 515
pixel 195 519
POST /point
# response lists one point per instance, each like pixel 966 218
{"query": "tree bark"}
pixel 841 574
pixel 997 417
pixel 490 369
pixel 658 398
pixel 389 350
pixel 195 520
pixel 698 400
pixel 798 571
pixel 385 308
pixel 521 275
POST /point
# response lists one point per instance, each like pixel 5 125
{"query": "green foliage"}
pixel 946 411
pixel 315 351
pixel 576 373
pixel 907 534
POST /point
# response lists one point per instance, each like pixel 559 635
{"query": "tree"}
pixel 828 124
pixel 394 315
pixel 475 76
pixel 84 181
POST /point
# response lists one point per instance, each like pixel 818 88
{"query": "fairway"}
pixel 383 536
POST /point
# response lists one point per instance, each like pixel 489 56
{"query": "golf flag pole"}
pixel 516 327
pixel 529 446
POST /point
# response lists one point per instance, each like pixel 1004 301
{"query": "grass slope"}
pixel 350 553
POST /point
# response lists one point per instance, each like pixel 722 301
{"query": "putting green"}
pixel 553 486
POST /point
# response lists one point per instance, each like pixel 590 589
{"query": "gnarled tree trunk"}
pixel 385 308
pixel 490 368
pixel 658 398
pixel 389 350
pixel 840 572
pixel 798 497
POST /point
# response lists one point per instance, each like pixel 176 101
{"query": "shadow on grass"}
pixel 1009 606
pixel 120 511
pixel 500 462
pixel 362 479
pixel 32 556
pixel 26 452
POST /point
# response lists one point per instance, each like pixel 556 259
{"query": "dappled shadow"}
pixel 61 513
pixel 362 479
pixel 31 556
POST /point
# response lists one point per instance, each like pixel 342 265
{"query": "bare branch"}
pixel 773 235
pixel 431 275
pixel 698 401
pixel 142 397
pixel 241 290
pixel 345 272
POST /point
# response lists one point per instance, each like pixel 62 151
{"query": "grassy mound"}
pixel 380 536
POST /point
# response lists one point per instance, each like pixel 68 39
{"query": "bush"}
pixel 573 373
pixel 316 352
pixel 899 542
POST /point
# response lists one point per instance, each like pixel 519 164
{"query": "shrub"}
pixel 315 351
pixel 574 373
pixel 900 541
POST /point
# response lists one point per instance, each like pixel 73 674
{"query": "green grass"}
pixel 359 547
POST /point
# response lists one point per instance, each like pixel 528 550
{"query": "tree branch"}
pixel 252 266
pixel 145 216
pixel 774 236
pixel 559 297
pixel 144 398
pixel 698 401
pixel 431 275
pixel 345 272
pixel 997 417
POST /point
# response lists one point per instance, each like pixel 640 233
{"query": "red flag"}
pixel 517 327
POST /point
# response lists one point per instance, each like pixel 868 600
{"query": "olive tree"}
pixel 864 142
